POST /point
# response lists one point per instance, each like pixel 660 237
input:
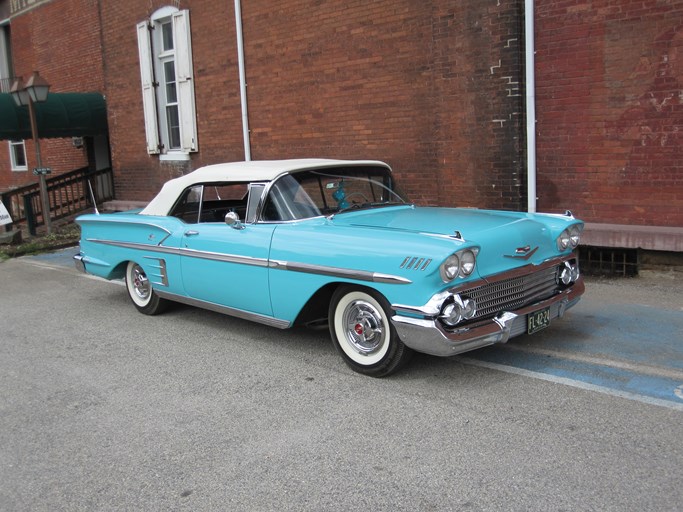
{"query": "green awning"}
pixel 62 115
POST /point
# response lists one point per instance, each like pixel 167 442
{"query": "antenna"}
pixel 92 196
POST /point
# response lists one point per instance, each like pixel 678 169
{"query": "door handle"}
pixel 191 233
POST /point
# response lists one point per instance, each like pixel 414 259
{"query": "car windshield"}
pixel 331 191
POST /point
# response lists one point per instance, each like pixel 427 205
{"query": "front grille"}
pixel 513 293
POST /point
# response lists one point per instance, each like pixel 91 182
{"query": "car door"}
pixel 222 264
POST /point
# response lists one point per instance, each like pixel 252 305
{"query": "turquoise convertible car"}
pixel 331 242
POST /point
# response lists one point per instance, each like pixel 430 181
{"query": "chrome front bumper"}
pixel 428 335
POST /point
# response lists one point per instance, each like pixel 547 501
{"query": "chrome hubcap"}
pixel 364 327
pixel 140 283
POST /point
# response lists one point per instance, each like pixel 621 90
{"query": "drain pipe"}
pixel 243 81
pixel 529 46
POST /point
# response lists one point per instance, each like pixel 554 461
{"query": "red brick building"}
pixel 66 53
pixel 436 89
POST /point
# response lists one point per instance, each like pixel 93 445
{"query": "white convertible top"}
pixel 253 171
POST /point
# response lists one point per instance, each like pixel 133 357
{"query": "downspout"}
pixel 529 48
pixel 243 81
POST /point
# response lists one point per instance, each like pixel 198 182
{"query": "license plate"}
pixel 538 320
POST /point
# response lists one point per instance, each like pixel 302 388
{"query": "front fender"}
pixel 306 256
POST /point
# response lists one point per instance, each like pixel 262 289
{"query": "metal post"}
pixel 44 198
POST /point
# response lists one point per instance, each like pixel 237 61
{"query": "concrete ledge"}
pixel 10 237
pixel 653 238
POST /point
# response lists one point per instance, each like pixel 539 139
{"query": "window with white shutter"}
pixel 165 49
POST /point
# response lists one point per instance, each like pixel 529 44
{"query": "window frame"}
pixel 153 57
pixel 13 145
pixel 196 197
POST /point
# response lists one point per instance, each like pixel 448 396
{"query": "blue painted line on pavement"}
pixel 629 381
pixel 61 258
pixel 636 333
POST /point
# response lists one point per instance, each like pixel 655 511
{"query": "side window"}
pixel 211 202
pixel 165 52
pixel 187 206
pixel 219 199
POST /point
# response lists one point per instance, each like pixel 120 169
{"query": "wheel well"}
pixel 119 271
pixel 316 308
pixel 315 311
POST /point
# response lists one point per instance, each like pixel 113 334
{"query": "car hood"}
pixel 503 237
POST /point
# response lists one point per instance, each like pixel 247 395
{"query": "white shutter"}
pixel 183 62
pixel 149 100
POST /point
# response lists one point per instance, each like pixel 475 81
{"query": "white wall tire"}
pixel 363 334
pixel 141 292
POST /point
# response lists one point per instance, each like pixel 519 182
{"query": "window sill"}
pixel 174 156
pixel 19 169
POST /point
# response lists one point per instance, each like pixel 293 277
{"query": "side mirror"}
pixel 233 220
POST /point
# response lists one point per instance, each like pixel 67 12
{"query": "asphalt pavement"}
pixel 102 408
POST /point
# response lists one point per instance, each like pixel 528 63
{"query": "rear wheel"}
pixel 363 334
pixel 141 292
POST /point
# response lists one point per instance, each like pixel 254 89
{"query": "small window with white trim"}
pixel 165 52
pixel 17 155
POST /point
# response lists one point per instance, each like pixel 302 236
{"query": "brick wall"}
pixel 432 88
pixel 610 109
pixel 478 103
pixel 64 46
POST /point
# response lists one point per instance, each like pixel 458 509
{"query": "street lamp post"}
pixel 35 90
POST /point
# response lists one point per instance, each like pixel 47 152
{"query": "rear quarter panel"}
pixel 109 241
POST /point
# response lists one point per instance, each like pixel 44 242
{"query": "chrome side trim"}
pixel 161 277
pixel 227 258
pixel 206 255
pixel 238 313
pixel 415 263
pixel 359 275
pixel 136 245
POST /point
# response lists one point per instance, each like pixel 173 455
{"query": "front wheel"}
pixel 363 334
pixel 141 292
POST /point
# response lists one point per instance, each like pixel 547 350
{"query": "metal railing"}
pixel 68 194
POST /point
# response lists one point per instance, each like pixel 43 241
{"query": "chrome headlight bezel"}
pixel 569 238
pixel 459 264
pixel 457 309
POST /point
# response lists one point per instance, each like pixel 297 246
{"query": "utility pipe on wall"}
pixel 243 81
pixel 530 46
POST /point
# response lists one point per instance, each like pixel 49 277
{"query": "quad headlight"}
pixel 570 237
pixel 461 263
